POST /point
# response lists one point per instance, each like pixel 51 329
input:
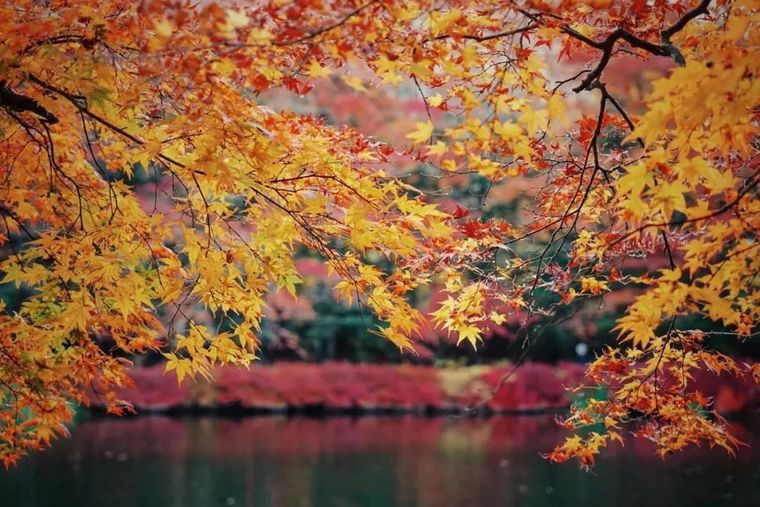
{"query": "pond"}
pixel 366 461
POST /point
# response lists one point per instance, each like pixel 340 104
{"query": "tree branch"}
pixel 681 23
pixel 608 45
pixel 483 38
pixel 81 104
pixel 20 103
pixel 327 28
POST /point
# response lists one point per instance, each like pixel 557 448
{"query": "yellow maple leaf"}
pixel 164 28
pixel 436 100
pixel 439 148
pixel 669 197
pixel 316 71
pixel 355 82
pixel 423 133
pixel 470 333
pixel 237 19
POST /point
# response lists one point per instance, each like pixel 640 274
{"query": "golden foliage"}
pixel 94 92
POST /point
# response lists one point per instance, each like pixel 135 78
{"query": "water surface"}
pixel 368 461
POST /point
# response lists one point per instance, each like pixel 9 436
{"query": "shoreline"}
pixel 353 389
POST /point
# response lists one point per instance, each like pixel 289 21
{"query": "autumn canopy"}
pixel 97 94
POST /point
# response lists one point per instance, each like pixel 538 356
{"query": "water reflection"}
pixel 371 461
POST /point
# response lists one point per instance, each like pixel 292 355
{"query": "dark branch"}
pixel 320 31
pixel 483 38
pixel 20 103
pixel 608 44
pixel 81 104
pixel 681 23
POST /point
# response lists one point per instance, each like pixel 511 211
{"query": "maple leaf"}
pixel 423 132
pixel 164 28
pixel 593 285
pixel 470 333
pixel 669 198
pixel 439 148
pixel 435 100
pixel 316 70
pixel 237 19
pixel 355 82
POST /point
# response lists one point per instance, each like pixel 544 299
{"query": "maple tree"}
pixel 98 94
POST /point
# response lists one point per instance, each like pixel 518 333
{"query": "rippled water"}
pixel 369 461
